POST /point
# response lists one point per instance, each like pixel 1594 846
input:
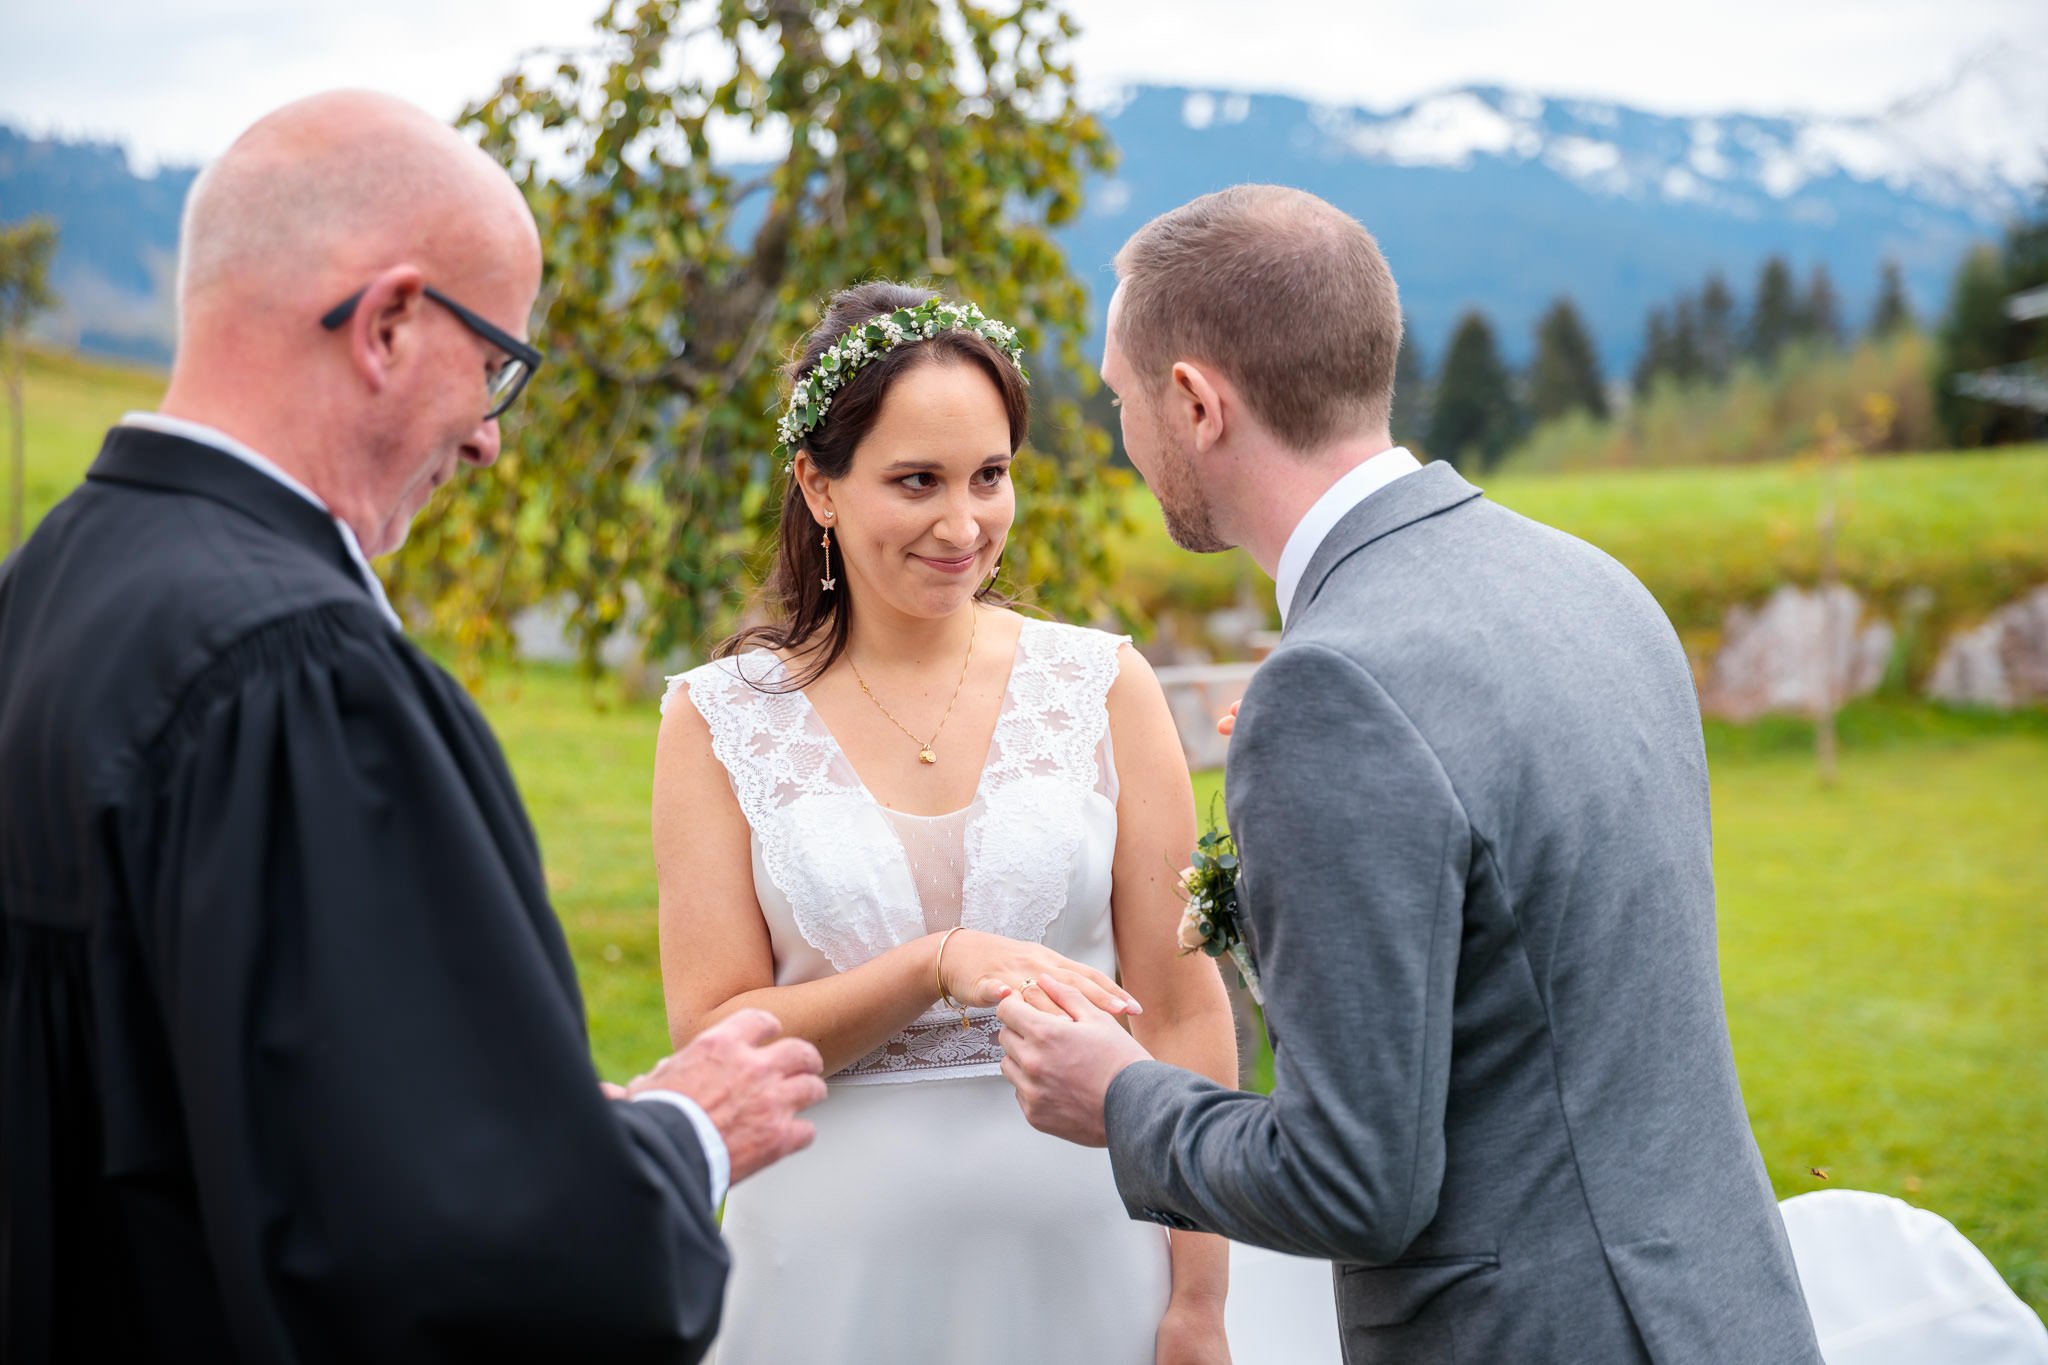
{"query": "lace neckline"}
pixel 987 757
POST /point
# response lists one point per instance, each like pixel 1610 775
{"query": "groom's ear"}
pixel 1198 401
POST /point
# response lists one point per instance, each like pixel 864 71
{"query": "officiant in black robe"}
pixel 292 1058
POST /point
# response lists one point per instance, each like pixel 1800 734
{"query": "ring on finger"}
pixel 1029 982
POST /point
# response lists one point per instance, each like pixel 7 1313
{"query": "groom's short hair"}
pixel 1286 294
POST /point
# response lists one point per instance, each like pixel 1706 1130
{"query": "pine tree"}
pixel 1977 333
pixel 1687 360
pixel 1974 336
pixel 1893 313
pixel 1820 313
pixel 1655 357
pixel 1411 388
pixel 1565 375
pixel 1717 328
pixel 1475 415
pixel 1775 319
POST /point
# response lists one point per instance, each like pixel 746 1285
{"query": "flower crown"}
pixel 811 399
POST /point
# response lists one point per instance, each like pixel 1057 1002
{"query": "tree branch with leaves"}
pixel 903 139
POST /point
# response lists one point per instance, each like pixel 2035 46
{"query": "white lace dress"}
pixel 929 1221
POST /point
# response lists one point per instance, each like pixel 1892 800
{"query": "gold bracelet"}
pixel 939 974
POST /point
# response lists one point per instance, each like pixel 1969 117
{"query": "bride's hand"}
pixel 1191 1334
pixel 980 969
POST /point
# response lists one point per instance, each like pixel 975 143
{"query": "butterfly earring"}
pixel 828 582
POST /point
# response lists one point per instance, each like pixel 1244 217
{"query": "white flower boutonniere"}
pixel 1212 923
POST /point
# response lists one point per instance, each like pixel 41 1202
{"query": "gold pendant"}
pixel 925 755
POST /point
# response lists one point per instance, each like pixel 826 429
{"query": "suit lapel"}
pixel 1416 497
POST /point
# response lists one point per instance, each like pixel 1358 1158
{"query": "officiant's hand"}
pixel 1062 1063
pixel 1226 724
pixel 751 1082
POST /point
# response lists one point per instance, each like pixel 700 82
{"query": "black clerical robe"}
pixel 292 1058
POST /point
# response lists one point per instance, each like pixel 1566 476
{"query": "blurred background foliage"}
pixel 897 140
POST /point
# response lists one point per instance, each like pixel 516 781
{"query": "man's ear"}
pixel 383 332
pixel 1199 400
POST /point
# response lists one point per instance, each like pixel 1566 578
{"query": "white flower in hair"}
pixel 810 398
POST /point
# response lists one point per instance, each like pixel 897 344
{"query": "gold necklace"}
pixel 925 753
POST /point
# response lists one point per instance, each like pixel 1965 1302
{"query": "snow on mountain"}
pixel 1981 134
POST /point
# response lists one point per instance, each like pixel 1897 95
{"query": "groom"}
pixel 1470 796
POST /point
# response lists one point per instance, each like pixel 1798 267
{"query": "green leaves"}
pixel 636 486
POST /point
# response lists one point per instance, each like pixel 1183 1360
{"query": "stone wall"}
pixel 1791 654
pixel 1782 656
pixel 2002 663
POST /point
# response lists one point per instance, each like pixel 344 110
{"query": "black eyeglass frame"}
pixel 525 356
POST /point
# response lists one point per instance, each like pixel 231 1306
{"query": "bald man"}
pixel 292 1058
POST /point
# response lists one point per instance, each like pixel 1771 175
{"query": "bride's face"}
pixel 922 512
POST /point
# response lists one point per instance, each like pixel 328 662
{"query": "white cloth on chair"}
pixel 1282 1310
pixel 1889 1284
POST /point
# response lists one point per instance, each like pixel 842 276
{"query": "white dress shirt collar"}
pixel 228 445
pixel 1360 483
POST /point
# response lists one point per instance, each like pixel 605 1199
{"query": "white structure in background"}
pixel 1197 694
pixel 1889 1284
pixel 2021 385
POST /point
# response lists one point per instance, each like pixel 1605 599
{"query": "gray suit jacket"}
pixel 1470 796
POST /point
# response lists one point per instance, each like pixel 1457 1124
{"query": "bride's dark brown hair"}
pixel 808 618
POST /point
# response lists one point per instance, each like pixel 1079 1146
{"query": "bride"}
pixel 884 812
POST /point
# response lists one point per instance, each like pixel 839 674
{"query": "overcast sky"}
pixel 176 79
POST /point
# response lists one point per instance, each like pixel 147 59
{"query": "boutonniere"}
pixel 1213 923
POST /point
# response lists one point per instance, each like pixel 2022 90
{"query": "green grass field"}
pixel 69 404
pixel 1884 951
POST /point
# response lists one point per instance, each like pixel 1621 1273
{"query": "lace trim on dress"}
pixel 797 790
pixel 935 1045
pixel 1043 763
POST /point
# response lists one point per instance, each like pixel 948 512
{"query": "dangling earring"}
pixel 828 582
pixel 997 571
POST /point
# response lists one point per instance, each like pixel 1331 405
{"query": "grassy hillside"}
pixel 1971 528
pixel 70 402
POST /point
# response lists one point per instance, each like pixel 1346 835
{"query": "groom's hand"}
pixel 1062 1063
pixel 751 1082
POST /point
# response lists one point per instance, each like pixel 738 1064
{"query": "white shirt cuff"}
pixel 708 1137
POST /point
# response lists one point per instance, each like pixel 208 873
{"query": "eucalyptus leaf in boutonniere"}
pixel 1213 922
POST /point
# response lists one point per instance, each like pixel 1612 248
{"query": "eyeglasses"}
pixel 503 383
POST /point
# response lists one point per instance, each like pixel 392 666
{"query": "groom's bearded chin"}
pixel 1188 526
pixel 1185 508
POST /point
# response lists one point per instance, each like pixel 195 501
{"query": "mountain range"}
pixel 1482 197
